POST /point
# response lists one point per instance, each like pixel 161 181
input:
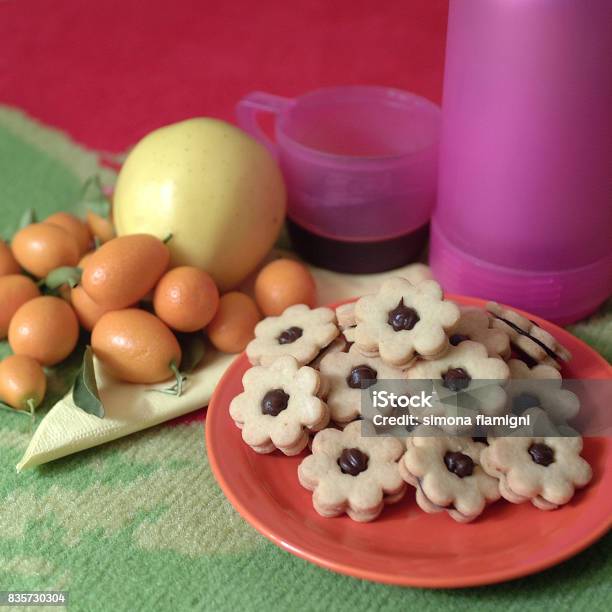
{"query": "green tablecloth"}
pixel 142 524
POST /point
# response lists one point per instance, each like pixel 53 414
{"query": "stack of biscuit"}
pixel 310 367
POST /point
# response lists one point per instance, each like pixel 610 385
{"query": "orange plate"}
pixel 405 546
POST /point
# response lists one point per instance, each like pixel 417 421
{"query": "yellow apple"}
pixel 216 190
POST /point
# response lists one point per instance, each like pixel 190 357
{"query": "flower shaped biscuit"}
pixel 540 386
pixel 534 344
pixel 403 320
pixel 461 381
pixel 279 407
pixel 447 474
pixel 299 332
pixel 474 325
pixel 544 470
pixel 353 474
pixel 345 375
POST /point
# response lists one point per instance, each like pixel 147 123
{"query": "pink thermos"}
pixel 524 211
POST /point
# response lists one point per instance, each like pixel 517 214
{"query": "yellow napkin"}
pixel 129 408
pixel 66 429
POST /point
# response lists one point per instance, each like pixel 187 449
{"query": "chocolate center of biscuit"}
pixel 541 454
pixel 274 402
pixel 361 377
pixel 402 317
pixel 523 402
pixel 289 336
pixel 459 464
pixel 456 379
pixel 352 461
pixel 456 339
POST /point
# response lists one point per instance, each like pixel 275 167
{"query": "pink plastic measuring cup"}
pixel 360 164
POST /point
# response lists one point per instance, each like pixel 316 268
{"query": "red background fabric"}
pixel 109 71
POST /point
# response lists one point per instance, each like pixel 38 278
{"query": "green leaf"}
pixel 61 276
pixel 177 387
pixel 180 379
pixel 85 391
pixel 5 349
pixel 27 218
pixel 94 198
pixel 193 349
pixel 61 377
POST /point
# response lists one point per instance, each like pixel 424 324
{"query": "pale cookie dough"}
pixel 403 321
pixel 543 470
pixel 345 313
pixel 399 432
pixel 539 424
pixel 346 321
pixel 349 334
pixel 338 345
pixel 447 474
pixel 299 332
pixel 465 370
pixel 540 386
pixel 345 375
pixel 474 325
pixel 352 474
pixel 535 343
pixel 279 407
